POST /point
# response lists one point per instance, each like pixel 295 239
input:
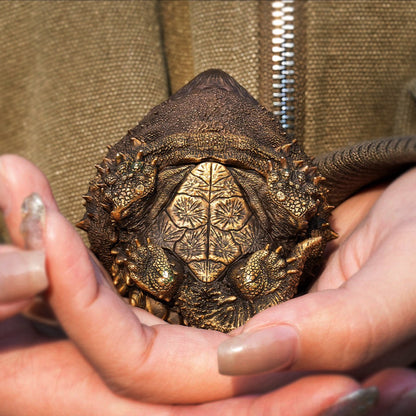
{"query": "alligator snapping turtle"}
pixel 206 212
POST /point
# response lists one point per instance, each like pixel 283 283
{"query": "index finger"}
pixel 163 363
pixel 370 316
pixel 18 179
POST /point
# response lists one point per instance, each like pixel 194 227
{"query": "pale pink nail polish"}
pixel 33 219
pixel 268 349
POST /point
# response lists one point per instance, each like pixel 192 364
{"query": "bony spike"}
pixel 136 142
pixel 83 225
pixel 120 157
pixel 333 234
pixel 105 206
pixel 318 179
pixel 286 147
pixel 100 169
pixel 278 250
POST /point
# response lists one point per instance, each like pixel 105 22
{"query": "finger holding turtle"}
pixel 363 302
pixel 22 272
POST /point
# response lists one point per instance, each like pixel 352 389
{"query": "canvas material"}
pixel 74 76
pixel 356 58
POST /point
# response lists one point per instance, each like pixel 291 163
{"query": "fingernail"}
pixel 273 348
pixel 406 405
pixel 358 403
pixel 22 275
pixel 33 220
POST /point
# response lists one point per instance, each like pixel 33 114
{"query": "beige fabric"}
pixel 177 39
pixel 405 120
pixel 212 34
pixel 357 58
pixel 75 75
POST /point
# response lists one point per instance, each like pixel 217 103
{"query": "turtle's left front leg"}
pixel 268 278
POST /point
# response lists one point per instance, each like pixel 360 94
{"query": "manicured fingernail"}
pixel 33 220
pixel 272 348
pixel 358 403
pixel 22 275
pixel 406 405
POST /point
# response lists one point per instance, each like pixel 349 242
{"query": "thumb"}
pixel 338 329
pixel 369 316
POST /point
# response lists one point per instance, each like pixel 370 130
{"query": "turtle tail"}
pixel 349 169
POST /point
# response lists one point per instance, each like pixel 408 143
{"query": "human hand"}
pixel 31 363
pixel 359 316
pixel 113 351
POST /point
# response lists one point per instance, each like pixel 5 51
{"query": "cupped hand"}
pixel 360 315
pixel 117 359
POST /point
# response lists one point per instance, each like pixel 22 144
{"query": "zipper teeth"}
pixel 283 62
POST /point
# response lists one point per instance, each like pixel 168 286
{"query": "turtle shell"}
pixel 206 212
pixel 208 223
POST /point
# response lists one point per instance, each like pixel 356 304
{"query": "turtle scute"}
pixel 206 213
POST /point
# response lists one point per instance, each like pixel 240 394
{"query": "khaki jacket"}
pixel 75 75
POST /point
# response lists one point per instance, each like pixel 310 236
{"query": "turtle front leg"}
pixel 267 277
pixel 141 270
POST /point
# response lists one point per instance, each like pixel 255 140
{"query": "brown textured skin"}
pixel 206 213
pixel 351 168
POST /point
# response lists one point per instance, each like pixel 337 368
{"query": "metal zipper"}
pixel 283 62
